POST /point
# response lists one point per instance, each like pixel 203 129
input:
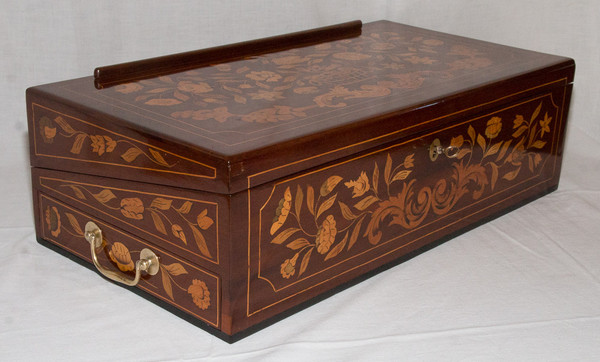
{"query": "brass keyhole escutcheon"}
pixel 436 149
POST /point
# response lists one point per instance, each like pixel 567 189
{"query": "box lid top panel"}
pixel 287 105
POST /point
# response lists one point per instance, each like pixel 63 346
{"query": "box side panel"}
pixel 190 230
pixel 193 292
pixel 316 231
pixel 70 137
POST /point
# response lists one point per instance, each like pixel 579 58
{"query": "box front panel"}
pixel 317 230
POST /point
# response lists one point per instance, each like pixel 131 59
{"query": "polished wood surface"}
pixel 189 223
pixel 179 282
pixel 320 229
pixel 293 109
pixel 111 75
pixel 276 180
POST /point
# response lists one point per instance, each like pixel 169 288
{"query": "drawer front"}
pixel 185 222
pixel 187 287
pixel 316 230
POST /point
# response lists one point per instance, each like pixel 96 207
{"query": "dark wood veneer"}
pixel 275 172
pixel 111 75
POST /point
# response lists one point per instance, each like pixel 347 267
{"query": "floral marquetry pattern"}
pixel 60 136
pixel 344 213
pixel 200 293
pixel 122 258
pixel 180 283
pixel 97 143
pixel 318 78
pixel 187 224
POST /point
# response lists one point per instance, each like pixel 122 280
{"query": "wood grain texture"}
pixel 318 230
pixel 291 174
pixel 188 223
pixel 185 286
pixel 317 103
pixel 111 75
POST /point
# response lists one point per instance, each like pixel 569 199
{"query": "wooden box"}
pixel 267 175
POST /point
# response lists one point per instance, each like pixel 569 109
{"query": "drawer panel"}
pixel 188 223
pixel 192 290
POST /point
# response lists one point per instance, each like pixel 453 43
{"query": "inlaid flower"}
pixel 272 114
pixel 409 161
pixel 128 88
pixel 328 99
pixel 518 121
pixel 196 88
pixel 47 130
pixel 110 144
pixel 470 63
pixel 223 67
pixel 200 294
pixel 167 102
pixel 323 46
pixel 517 155
pixel 463 50
pixel 264 75
pixel 457 141
pixel 282 211
pixel 382 46
pixel 545 124
pixel 326 235
pixel 330 184
pixel 290 60
pixel 101 144
pixel 475 174
pixel 361 185
pixel 266 95
pixel 288 268
pixel 219 114
pixel 132 208
pixel 393 66
pixel 494 125
pixel 119 254
pixel 420 60
pixel 178 232
pixel 98 144
pixel 408 80
pixel 306 90
pixel 53 220
pixel 385 84
pixel 351 56
pixel 433 42
pixel 204 221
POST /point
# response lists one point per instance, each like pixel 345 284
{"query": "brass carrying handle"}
pixel 148 260
pixel 436 149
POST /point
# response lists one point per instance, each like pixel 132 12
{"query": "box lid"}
pixel 233 117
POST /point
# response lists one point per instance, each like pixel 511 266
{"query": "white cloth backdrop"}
pixel 523 287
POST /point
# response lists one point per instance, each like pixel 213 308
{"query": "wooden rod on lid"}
pixel 153 67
